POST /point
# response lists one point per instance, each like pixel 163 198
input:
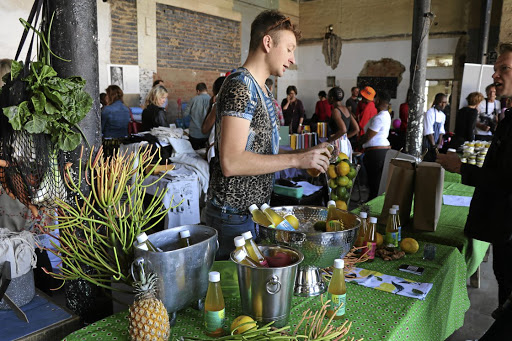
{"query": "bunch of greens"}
pixel 55 105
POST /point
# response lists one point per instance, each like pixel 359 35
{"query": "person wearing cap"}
pixel 366 108
pixel 489 213
pixel 375 143
pixel 433 127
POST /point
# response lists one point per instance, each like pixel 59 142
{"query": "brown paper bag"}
pixel 428 195
pixel 399 189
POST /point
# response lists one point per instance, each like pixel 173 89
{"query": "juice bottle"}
pixel 185 238
pixel 391 238
pixel 361 234
pixel 371 239
pixel 214 307
pixel 278 221
pixel 240 256
pixel 337 291
pixel 145 244
pixel 315 172
pixel 332 222
pixel 399 225
pixel 252 249
pixel 258 216
pixel 240 243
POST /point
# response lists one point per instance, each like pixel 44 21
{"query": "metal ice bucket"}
pixel 182 272
pixel 266 293
pixel 320 249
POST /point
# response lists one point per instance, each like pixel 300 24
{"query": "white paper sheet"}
pixel 456 200
pixel 308 188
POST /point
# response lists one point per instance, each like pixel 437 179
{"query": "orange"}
pixel 341 205
pixel 332 172
pixel 342 156
pixel 379 238
pixel 342 168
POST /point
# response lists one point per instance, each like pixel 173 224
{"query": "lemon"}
pixel 379 238
pixel 343 156
pixel 342 168
pixel 341 205
pixel 409 245
pixel 242 320
pixel 332 172
pixel 292 220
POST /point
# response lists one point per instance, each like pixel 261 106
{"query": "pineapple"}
pixel 148 317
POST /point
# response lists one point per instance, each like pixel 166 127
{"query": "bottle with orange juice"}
pixel 315 172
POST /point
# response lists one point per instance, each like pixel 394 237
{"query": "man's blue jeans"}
pixel 228 226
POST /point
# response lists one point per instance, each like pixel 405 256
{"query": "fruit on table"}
pixel 292 220
pixel 244 322
pixel 342 168
pixel 409 245
pixel 380 239
pixel 341 205
pixel 332 183
pixel 342 180
pixel 148 318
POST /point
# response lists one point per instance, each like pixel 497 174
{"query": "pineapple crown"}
pixel 364 208
pixel 146 287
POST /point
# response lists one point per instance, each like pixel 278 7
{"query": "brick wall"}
pixel 124 32
pixel 193 47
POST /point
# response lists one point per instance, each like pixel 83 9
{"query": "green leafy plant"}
pixel 97 232
pixel 55 105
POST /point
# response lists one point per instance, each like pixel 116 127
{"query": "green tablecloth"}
pixel 375 314
pixel 450 228
pixel 452 177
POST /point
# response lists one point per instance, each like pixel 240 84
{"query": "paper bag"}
pixel 399 189
pixel 428 195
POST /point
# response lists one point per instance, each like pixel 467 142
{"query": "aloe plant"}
pixel 99 228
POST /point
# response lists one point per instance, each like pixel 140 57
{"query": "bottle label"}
pixel 285 225
pixel 214 320
pixel 399 233
pixel 337 301
pixel 370 249
pixel 392 239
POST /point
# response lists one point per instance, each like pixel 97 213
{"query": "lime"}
pixel 352 173
pixel 349 184
pixel 334 196
pixel 320 226
pixel 341 191
pixel 333 183
pixel 342 180
pixel 345 197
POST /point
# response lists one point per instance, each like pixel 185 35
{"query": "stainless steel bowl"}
pixel 320 249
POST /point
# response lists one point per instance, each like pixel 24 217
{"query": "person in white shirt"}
pixel 375 142
pixel 433 127
pixel 489 110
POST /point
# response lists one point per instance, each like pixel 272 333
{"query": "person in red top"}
pixel 323 108
pixel 404 113
pixel 367 110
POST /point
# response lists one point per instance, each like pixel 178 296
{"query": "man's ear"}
pixel 267 43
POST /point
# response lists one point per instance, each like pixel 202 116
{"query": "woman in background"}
pixel 154 113
pixel 466 120
pixel 116 115
pixel 293 110
pixel 342 124
pixel 323 107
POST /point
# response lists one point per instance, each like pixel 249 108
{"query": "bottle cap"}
pixel 247 235
pixel 253 207
pixel 331 202
pixel 185 234
pixel 214 276
pixel 339 263
pixel 264 207
pixel 141 238
pixel 396 207
pixel 392 211
pixel 239 255
pixel 373 220
pixel 363 215
pixel 239 241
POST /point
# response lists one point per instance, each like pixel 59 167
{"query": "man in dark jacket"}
pixel 489 213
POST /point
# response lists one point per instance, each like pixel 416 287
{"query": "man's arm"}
pixel 235 160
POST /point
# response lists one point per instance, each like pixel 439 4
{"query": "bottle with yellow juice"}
pixel 258 216
pixel 278 221
pixel 332 222
pixel 371 239
pixel 315 172
pixel 362 230
pixel 214 307
pixel 337 292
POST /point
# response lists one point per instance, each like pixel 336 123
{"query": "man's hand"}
pixel 316 157
pixel 450 162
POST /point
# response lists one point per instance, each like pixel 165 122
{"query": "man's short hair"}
pixel 353 88
pixel 505 47
pixel 475 98
pixel 157 82
pixel 269 82
pixel 291 88
pixel 322 94
pixel 439 98
pixel 201 87
pixel 383 97
pixel 270 22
